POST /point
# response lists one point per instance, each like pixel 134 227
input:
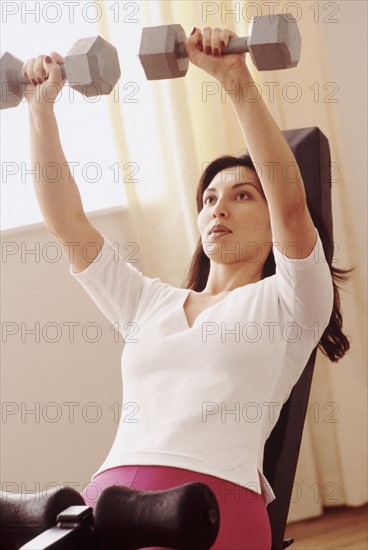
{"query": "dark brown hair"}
pixel 333 342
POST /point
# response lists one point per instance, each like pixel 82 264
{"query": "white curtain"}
pixel 176 126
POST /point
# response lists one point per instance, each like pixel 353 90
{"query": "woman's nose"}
pixel 220 210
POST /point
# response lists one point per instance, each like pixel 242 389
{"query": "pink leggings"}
pixel 244 523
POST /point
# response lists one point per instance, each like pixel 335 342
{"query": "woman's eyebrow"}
pixel 235 186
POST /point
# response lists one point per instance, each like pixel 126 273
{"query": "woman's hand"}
pixel 47 83
pixel 204 50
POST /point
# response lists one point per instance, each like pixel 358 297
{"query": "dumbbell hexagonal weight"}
pixel 91 67
pixel 273 43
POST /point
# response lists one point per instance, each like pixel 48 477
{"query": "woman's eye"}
pixel 243 195
pixel 209 199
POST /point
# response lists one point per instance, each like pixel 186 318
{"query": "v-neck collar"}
pixel 186 292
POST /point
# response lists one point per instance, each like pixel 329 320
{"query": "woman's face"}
pixel 234 200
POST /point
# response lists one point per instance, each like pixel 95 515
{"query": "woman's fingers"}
pixel 28 71
pixel 196 38
pixel 206 40
pixel 44 71
pixel 51 65
pixel 57 57
pixel 39 73
pixel 210 59
pixel 214 40
pixel 194 45
pixel 38 69
pixel 33 70
pixel 225 36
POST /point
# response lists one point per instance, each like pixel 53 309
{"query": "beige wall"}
pixel 44 376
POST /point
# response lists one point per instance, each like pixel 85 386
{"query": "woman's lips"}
pixel 219 231
pixel 217 234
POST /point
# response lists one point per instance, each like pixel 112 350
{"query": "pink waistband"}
pixel 159 478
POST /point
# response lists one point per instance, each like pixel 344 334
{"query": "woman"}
pixel 207 367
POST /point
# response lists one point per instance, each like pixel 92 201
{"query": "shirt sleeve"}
pixel 115 286
pixel 305 287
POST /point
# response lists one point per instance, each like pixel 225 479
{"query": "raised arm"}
pixel 59 200
pixel 275 163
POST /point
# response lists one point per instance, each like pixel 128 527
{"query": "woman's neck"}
pixel 223 278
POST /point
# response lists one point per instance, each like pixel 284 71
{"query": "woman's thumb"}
pixel 52 64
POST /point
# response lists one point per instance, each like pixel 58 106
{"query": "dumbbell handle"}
pixel 19 78
pixel 237 44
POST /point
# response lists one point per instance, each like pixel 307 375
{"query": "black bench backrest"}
pixel 312 153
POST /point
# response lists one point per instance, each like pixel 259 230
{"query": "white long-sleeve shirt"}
pixel 206 398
